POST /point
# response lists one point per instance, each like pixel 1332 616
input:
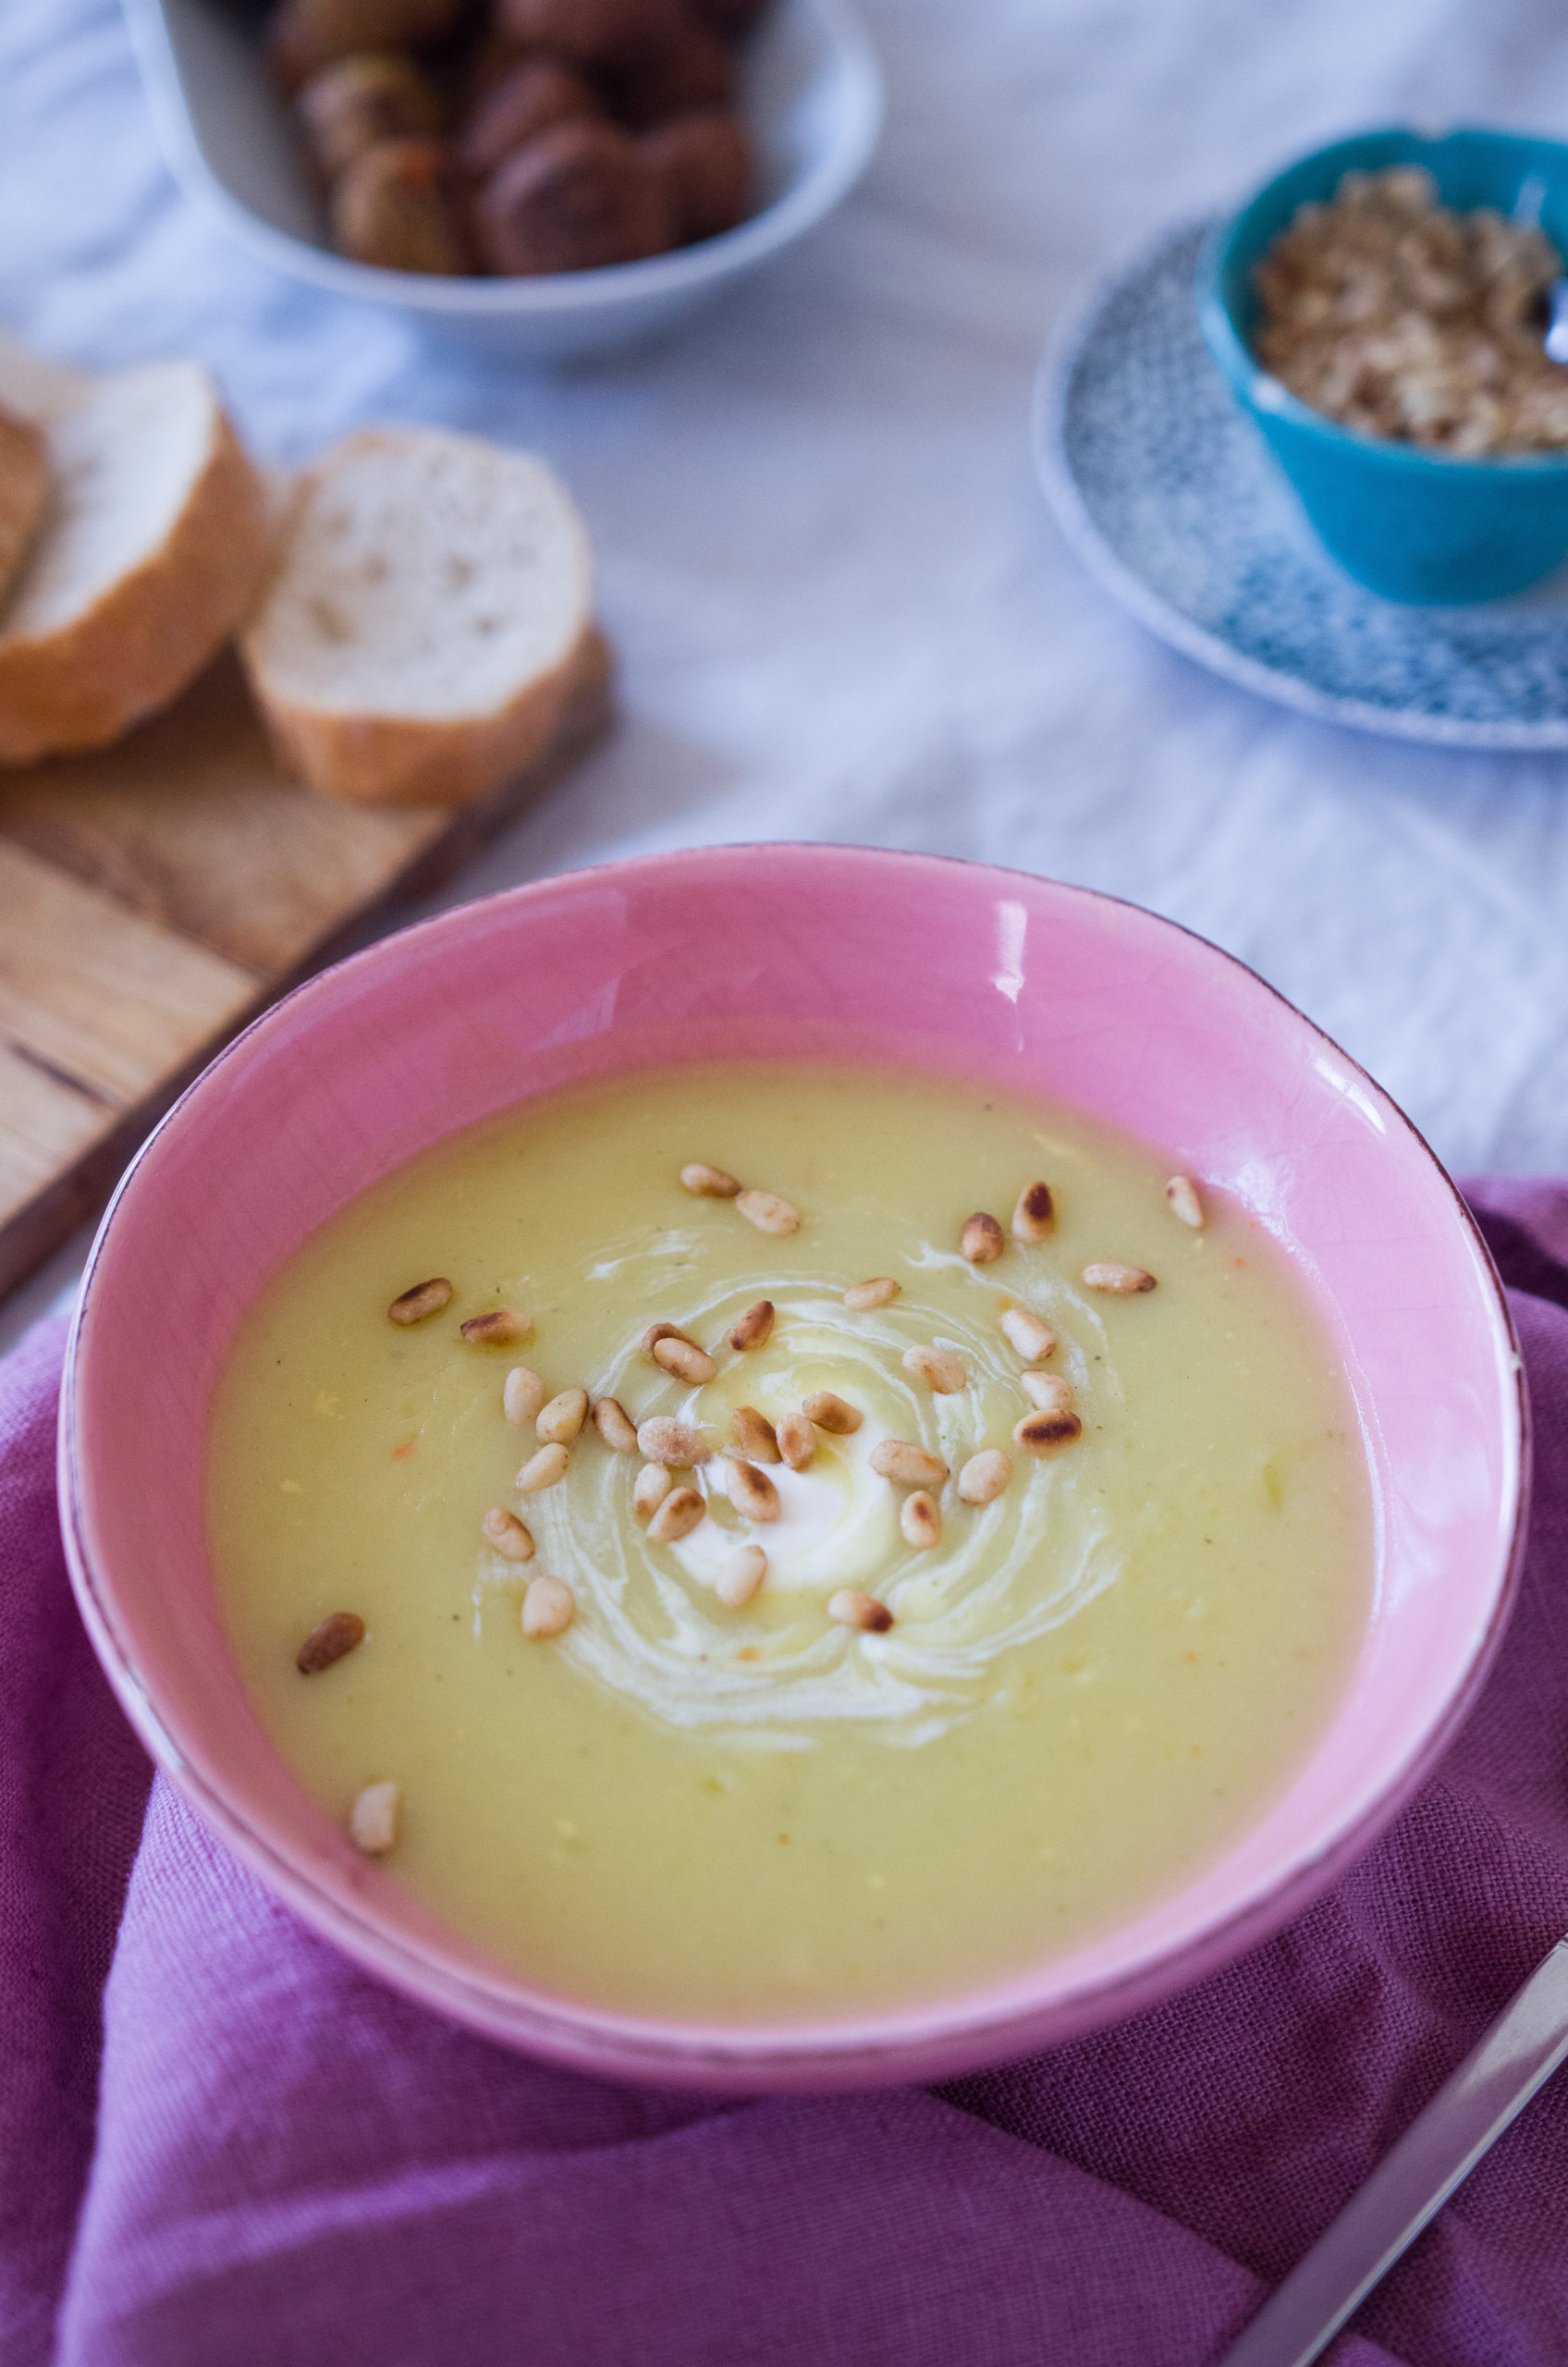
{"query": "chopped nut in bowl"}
pixel 1380 309
pixel 540 176
pixel 1388 311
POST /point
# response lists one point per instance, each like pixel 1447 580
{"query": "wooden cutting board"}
pixel 156 895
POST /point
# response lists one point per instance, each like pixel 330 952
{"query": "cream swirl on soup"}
pixel 1001 1574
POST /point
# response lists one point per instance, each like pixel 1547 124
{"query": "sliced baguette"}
pixel 430 619
pixel 24 488
pixel 155 547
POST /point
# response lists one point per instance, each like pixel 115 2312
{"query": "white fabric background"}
pixel 841 609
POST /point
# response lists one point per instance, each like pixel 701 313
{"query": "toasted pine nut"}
pixel 1183 1195
pixel 1029 1333
pixel 342 1633
pixel 750 1491
pixel 877 1292
pixel 677 1517
pixel 660 1440
pixel 754 1435
pixel 657 1331
pixel 425 1298
pixel 984 1476
pixel 654 1484
pixel 797 1440
pixel 507 1534
pixel 755 1329
pixel 709 1182
pixel 614 1425
pixel 741 1577
pixel 547 1608
pixel 981 1241
pixel 1124 1280
pixel 373 1820
pixel 563 1417
pixel 768 1212
pixel 502 1327
pixel 688 1362
pixel 1036 1214
pixel 1038 1432
pixel 542 1470
pixel 1049 1393
pixel 907 1465
pixel 853 1609
pixel 831 1413
pixel 523 1395
pixel 938 1369
pixel 920 1519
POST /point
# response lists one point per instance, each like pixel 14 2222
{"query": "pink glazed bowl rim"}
pixel 1121 1971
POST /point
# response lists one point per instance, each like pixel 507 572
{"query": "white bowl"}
pixel 812 92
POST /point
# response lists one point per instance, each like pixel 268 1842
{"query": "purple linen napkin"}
pixel 222 2146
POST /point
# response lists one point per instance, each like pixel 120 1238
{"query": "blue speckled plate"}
pixel 1169 496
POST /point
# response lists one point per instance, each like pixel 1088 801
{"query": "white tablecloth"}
pixel 841 609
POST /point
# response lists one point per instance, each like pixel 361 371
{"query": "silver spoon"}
pixel 1528 214
pixel 1557 328
pixel 1410 2183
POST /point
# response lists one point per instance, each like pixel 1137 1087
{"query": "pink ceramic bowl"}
pixel 823 952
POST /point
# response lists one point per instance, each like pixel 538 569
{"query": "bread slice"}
pixel 431 617
pixel 155 547
pixel 24 488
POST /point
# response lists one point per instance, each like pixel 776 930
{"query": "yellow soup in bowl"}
pixel 754 1542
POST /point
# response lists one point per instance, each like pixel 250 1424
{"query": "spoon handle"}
pixel 1414 2180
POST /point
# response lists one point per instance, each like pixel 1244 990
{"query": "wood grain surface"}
pixel 155 896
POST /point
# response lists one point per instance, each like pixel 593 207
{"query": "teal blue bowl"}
pixel 1409 523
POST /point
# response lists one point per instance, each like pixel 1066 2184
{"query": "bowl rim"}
pixel 1267 397
pixel 549 296
pixel 936 2037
